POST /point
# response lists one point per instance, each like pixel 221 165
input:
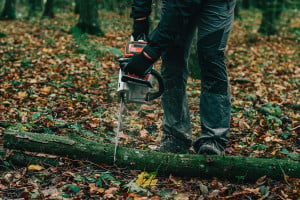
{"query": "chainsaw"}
pixel 133 88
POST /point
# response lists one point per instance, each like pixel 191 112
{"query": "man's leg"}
pixel 214 24
pixel 176 126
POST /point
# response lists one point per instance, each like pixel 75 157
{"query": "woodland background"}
pixel 58 74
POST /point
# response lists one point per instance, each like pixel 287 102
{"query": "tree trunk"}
pixel 76 10
pixel 35 7
pixel 246 4
pixel 24 159
pixel 224 167
pixel 237 9
pixel 49 9
pixel 9 11
pixel 271 11
pixel 88 20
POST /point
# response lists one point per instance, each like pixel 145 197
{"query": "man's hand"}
pixel 140 28
pixel 139 64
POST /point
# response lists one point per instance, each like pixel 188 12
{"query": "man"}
pixel 172 40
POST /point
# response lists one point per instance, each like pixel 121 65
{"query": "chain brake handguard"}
pixel 137 80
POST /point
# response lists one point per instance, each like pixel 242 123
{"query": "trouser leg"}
pixel 214 24
pixel 176 125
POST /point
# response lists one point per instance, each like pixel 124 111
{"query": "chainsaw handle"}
pixel 153 95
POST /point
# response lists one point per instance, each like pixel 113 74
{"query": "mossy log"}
pixel 204 166
pixel 17 158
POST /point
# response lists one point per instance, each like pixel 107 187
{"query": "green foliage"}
pixel 93 50
pixel 259 147
pixel 272 109
pixel 73 188
pixel 3 71
pixel 105 176
pixel 36 115
pixel 294 156
pixel 250 112
pixel 273 121
pixel 285 135
pixel 26 63
pixel 2 35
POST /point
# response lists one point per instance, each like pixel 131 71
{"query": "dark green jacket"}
pixel 172 25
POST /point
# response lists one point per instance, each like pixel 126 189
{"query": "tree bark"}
pixel 35 7
pixel 76 10
pixel 9 11
pixel 224 167
pixel 49 9
pixel 246 4
pixel 88 20
pixel 237 9
pixel 25 159
pixel 271 11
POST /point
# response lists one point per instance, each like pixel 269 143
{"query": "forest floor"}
pixel 49 77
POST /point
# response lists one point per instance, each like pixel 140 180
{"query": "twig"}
pixel 295 128
pixel 284 176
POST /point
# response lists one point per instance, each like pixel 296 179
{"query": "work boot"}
pixel 170 144
pixel 209 146
pixel 209 149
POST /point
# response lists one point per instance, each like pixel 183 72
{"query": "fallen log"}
pixel 204 166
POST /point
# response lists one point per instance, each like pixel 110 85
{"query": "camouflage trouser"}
pixel 213 21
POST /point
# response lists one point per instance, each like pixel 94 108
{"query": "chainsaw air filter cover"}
pixel 134 47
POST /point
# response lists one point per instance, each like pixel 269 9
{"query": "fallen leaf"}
pixel 182 197
pixel 145 179
pixel 144 133
pixel 35 168
pixel 45 90
pixel 49 191
pixel 68 173
pixel 175 181
pixel 203 189
pixel 95 189
pixel 152 116
pixel 214 194
pixel 22 95
pixel 109 193
pixel 261 180
pixel 146 107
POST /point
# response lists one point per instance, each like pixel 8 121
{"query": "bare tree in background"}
pixel 271 11
pixel 35 6
pixel 9 11
pixel 76 11
pixel 88 21
pixel 49 9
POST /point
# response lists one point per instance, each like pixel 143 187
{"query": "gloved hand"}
pixel 139 65
pixel 140 28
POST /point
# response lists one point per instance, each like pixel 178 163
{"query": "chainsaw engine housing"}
pixel 135 89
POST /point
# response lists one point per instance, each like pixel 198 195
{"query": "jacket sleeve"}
pixel 141 8
pixel 172 24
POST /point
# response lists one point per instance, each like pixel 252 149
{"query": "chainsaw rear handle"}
pixel 154 95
